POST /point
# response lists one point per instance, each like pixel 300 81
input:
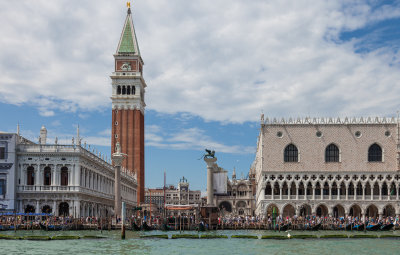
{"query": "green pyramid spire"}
pixel 128 43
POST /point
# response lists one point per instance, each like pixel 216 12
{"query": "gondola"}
pixel 135 227
pixel 165 227
pixel 359 227
pixel 374 227
pixel 316 227
pixel 387 227
pixel 146 227
pixel 284 227
pixel 201 227
pixel 51 227
pixel 349 227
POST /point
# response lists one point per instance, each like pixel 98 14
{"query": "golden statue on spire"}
pixel 128 4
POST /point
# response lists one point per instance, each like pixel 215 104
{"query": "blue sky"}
pixel 212 67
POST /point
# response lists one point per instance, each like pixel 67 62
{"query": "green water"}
pixel 134 245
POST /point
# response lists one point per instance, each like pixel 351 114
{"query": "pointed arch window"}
pixel 133 90
pixel 375 153
pixel 123 90
pixel 128 91
pixel 119 90
pixel 291 153
pixel 332 153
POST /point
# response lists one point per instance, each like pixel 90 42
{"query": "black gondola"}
pixel 146 227
pixel 349 227
pixel 387 227
pixel 316 227
pixel 284 227
pixel 201 227
pixel 51 227
pixel 165 227
pixel 374 227
pixel 135 227
pixel 359 227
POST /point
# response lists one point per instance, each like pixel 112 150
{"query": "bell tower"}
pixel 128 89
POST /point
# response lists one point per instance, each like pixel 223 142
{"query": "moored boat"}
pixel 374 227
pixel 387 227
pixel 135 227
pixel 146 227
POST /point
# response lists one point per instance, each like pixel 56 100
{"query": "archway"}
pixel 240 206
pixel 355 211
pixel 46 209
pixel 305 210
pixel 338 211
pixel 321 211
pixel 389 211
pixel 64 176
pixel 226 206
pixel 288 211
pixel 63 209
pixel 272 210
pixel 372 211
pixel 29 209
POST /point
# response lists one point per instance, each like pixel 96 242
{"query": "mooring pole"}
pixel 123 221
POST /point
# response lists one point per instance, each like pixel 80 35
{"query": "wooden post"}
pixel 123 221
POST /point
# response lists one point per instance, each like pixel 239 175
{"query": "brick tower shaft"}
pixel 128 89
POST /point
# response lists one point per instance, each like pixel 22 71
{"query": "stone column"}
pixel 77 171
pixel 372 192
pixel 397 192
pixel 305 192
pixel 338 193
pixel 297 192
pixel 380 193
pixel 355 192
pixel 363 196
pixel 389 192
pixel 53 175
pixel 347 192
pixel 55 208
pixel 117 160
pixel 37 207
pixel 330 192
pixel 313 193
pixel 210 189
pixel 288 193
pixel 280 193
pixel 322 193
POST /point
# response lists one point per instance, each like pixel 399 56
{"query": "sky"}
pixel 211 68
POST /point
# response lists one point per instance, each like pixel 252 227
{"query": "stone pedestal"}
pixel 210 187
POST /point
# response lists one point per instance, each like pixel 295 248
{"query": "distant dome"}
pixel 43 128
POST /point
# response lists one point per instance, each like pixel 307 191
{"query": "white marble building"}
pixel 68 180
pixel 328 166
pixel 7 172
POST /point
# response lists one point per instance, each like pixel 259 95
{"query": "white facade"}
pixel 68 180
pixel 7 171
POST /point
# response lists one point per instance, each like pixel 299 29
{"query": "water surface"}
pixel 134 245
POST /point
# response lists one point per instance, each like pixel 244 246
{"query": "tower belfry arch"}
pixel 128 106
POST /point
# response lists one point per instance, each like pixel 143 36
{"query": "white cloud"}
pixel 189 139
pixel 221 60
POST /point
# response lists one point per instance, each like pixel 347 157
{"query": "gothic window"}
pixel 2 187
pixel 47 176
pixel 119 90
pixel 128 90
pixel 375 153
pixel 123 90
pixel 332 153
pixel 133 90
pixel 64 176
pixel 291 153
pixel 2 153
pixel 30 176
